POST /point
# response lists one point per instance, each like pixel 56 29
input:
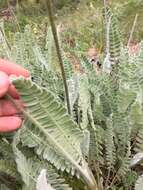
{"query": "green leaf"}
pixel 54 135
pixel 9 168
pixel 109 144
pixel 30 168
pixel 84 100
pixel 114 38
pixel 125 99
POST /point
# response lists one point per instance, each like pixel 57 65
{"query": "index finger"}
pixel 12 69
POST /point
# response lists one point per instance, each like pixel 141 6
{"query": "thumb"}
pixel 4 83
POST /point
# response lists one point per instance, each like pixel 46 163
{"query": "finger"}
pixel 8 109
pixel 10 123
pixel 4 83
pixel 13 92
pixel 12 69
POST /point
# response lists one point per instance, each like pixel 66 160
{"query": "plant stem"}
pixel 4 37
pixel 54 31
pixel 106 24
pixel 132 30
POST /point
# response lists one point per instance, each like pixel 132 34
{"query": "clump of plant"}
pixel 99 145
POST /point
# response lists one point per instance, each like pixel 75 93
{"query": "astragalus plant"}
pixel 100 145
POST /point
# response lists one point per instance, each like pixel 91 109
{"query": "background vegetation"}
pixel 80 17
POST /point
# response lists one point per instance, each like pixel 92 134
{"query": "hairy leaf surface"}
pixel 48 127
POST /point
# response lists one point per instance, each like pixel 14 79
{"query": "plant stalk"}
pixel 58 50
pixel 132 30
pixel 106 24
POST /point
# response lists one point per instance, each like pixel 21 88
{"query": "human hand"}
pixel 9 121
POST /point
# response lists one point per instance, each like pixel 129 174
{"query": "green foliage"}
pixel 104 131
pixel 30 168
pixel 109 144
pixel 52 126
